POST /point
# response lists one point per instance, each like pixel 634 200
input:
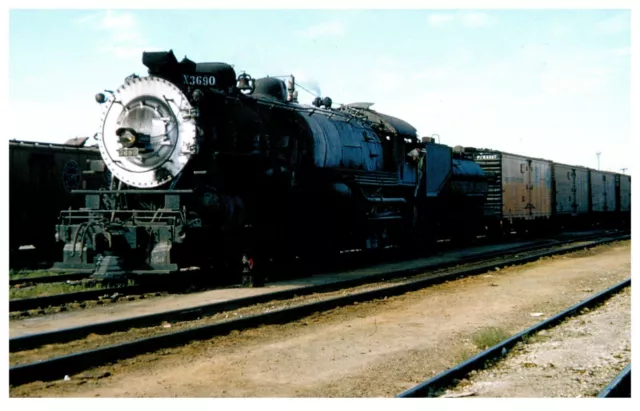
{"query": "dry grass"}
pixel 41 290
pixel 463 354
pixel 488 337
pixel 26 274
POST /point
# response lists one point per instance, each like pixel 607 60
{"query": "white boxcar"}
pixel 625 193
pixel 603 191
pixel 571 190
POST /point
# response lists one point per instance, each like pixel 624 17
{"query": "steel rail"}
pixel 57 367
pixel 59 278
pixel 31 341
pixel 23 304
pixel 620 386
pixel 433 386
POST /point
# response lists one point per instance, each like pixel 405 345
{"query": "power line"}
pixel 305 89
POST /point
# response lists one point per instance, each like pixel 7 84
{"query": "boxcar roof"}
pixel 49 146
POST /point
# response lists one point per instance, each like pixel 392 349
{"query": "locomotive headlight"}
pixel 127 137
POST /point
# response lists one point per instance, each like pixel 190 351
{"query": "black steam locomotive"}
pixel 215 170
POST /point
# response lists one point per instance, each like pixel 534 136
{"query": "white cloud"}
pixel 113 21
pixel 325 29
pixel 616 24
pixel 439 19
pixel 475 19
pixel 123 37
pixel 560 30
pixel 470 19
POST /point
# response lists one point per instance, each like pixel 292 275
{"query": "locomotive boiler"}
pixel 223 172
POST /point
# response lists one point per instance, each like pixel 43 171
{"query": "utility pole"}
pixel 623 170
pixel 598 154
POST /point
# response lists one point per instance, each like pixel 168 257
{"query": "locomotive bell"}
pixel 244 82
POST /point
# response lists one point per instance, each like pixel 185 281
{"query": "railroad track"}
pixel 26 304
pixel 436 385
pixel 620 386
pixel 69 334
pixel 69 364
pixel 47 279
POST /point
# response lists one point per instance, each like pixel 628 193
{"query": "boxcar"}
pixel 571 191
pixel 603 192
pixel 625 193
pixel 41 177
pixel 519 187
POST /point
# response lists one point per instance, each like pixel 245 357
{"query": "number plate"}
pixel 128 152
pixel 199 80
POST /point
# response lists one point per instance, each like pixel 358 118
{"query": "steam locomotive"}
pixel 224 172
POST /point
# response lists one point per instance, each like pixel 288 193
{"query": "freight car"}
pixel 41 178
pixel 572 202
pixel 520 189
pixel 225 172
pixel 530 194
pixel 623 184
pixel 603 192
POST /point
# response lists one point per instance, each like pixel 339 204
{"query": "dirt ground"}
pixel 578 358
pixel 375 349
pixel 93 313
pixel 93 341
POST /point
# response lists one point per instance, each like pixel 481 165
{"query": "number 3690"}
pixel 199 80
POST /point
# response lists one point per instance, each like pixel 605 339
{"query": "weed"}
pixel 18 274
pixel 44 289
pixel 489 337
pixel 463 354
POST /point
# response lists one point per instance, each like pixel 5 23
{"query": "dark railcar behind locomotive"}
pixel 41 178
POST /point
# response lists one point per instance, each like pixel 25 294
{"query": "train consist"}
pixel 540 194
pixel 221 171
pixel 41 178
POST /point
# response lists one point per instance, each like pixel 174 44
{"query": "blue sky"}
pixel 552 84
